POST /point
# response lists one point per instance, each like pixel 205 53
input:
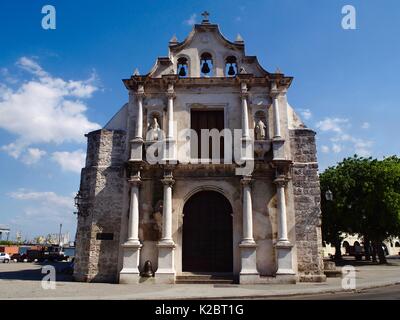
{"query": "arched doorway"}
pixel 207 234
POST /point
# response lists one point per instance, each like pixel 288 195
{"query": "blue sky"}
pixel 55 85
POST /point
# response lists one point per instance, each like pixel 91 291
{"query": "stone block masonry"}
pixel 99 225
pixel 307 199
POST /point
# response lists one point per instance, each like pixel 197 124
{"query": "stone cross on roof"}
pixel 205 14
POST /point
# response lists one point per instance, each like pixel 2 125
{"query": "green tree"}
pixel 366 201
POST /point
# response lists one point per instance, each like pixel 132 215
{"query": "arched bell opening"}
pixel 231 68
pixel 182 67
pixel 206 65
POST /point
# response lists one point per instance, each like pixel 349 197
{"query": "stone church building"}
pixel 156 188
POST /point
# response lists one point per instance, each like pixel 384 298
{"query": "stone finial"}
pixel 136 72
pixel 174 40
pixel 239 39
pixel 278 70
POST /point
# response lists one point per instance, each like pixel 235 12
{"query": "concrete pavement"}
pixel 23 281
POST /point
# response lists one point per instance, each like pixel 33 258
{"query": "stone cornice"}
pixel 162 82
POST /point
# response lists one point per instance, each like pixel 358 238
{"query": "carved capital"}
pixel 135 180
pixel 246 181
pixel 168 181
pixel 139 94
pixel 244 95
pixel 281 181
pixel 171 94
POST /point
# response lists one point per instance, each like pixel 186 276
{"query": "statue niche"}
pixel 261 143
pixel 260 126
pixel 154 132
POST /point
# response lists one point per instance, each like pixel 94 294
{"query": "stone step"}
pixel 204 279
pixel 333 273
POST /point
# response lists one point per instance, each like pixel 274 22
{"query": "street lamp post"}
pixel 80 204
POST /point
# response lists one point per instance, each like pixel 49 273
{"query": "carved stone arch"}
pixel 208 187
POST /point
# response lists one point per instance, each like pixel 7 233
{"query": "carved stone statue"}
pixel 260 130
pixel 154 130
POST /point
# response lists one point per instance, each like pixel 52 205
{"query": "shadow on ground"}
pixel 35 274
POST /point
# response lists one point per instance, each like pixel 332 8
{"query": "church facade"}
pixel 206 170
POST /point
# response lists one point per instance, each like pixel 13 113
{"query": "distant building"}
pixel 392 246
pixel 4 232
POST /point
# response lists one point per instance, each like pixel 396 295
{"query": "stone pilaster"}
pixel 247 147
pixel 283 245
pixel 169 153
pixel 278 141
pixel 166 247
pixel 248 247
pixel 137 141
pixel 130 272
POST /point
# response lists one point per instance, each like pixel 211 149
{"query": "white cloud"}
pixel 341 139
pixel 70 161
pixel 31 66
pixel 362 147
pixel 336 148
pixel 43 212
pixel 365 125
pixel 33 155
pixel 333 124
pixel 45 109
pixel 306 114
pixel 5 73
pixel 44 198
pixel 325 149
pixel 191 21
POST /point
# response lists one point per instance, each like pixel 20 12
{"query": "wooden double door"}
pixel 207 234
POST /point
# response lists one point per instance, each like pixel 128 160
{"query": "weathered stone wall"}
pixel 307 199
pixel 102 183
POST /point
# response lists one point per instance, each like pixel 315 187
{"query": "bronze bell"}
pixel 205 69
pixel 148 269
pixel 182 72
pixel 231 70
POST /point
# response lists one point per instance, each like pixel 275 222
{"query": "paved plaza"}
pixel 23 281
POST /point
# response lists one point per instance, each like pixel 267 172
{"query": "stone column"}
pixel 277 119
pixel 137 141
pixel 130 270
pixel 169 143
pixel 283 245
pixel 170 111
pixel 139 117
pixel 166 247
pixel 248 247
pixel 247 147
pixel 245 111
pixel 277 141
pixel 167 210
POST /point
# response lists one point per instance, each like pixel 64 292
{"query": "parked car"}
pixel 4 257
pixel 17 257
